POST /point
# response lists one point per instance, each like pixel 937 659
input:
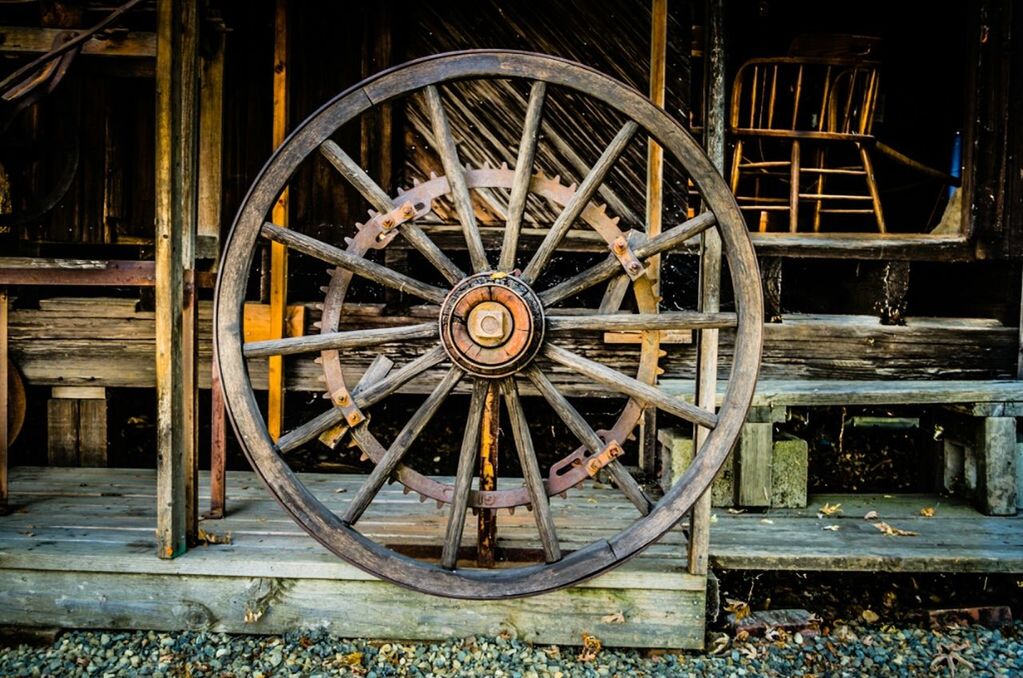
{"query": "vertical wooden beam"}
pixel 654 198
pixel 211 144
pixel 755 463
pixel 486 535
pixel 5 404
pixel 176 159
pixel 211 135
pixel 710 271
pixel 278 252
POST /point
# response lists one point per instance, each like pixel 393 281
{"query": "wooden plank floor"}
pixel 956 539
pixel 78 550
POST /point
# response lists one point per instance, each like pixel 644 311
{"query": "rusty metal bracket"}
pixel 344 401
pixel 598 461
pixel 622 249
pixel 388 222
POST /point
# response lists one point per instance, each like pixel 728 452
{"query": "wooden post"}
pixel 176 160
pixel 710 272
pixel 211 128
pixel 654 198
pixel 5 404
pixel 486 536
pixel 278 252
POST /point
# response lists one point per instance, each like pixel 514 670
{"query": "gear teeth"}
pixel 433 175
pixel 616 220
pixel 572 186
pixel 325 396
pixel 662 354
pixel 511 510
pixel 406 489
pixel 317 306
pixel 602 208
pixel 440 504
pixel 422 498
pixel 475 511
pixel 401 191
pixel 324 289
pixel 631 436
pixel 660 371
pixel 540 175
pixel 373 214
pixel 487 165
pixel 363 457
pixel 318 360
pixel 349 241
pixel 504 165
pixel 564 495
pixel 415 181
pixel 317 325
pixel 556 178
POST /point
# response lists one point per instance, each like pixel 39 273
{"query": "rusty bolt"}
pixel 635 267
pixel 408 212
pixel 388 222
pixel 619 245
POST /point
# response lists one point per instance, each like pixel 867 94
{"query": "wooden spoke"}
pixel 523 175
pixel 338 340
pixel 612 322
pixel 389 463
pixel 356 176
pixel 531 472
pixel 667 240
pixel 382 203
pixel 463 477
pixel 645 393
pixel 588 437
pixel 455 174
pixel 368 392
pixel 356 264
pixel 587 189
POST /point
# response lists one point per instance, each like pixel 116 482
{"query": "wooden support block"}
pixel 62 432
pixel 1019 475
pixel 789 467
pixel 676 449
pixel 92 433
pixel 953 467
pixel 754 464
pixel 996 465
pixel 79 392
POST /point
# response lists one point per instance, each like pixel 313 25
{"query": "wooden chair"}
pixel 782 105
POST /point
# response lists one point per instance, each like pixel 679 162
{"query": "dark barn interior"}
pixel 876 166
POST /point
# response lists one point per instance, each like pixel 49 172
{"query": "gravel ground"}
pixel 845 651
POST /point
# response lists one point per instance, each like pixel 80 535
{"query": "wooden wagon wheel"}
pixel 496 324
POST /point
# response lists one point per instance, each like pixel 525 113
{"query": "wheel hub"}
pixel 491 324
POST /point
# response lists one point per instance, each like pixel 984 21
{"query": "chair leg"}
pixel 868 167
pixel 218 445
pixel 736 161
pixel 794 189
pixel 819 204
pixel 4 404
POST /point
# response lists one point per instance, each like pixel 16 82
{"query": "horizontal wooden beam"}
pixel 30 40
pixel 28 271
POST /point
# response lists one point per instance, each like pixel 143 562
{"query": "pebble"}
pixel 861 650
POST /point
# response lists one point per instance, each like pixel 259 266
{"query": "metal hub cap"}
pixel 491 324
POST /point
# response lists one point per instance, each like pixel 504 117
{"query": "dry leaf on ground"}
pixel 829 510
pixel 870 616
pixel 894 531
pixel 740 608
pixel 830 528
pixel 213 538
pixel 927 511
pixel 591 648
pixel 870 515
pixel 616 618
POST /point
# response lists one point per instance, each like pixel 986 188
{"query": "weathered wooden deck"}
pixel 79 550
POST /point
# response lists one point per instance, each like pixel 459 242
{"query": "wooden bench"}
pixel 979 419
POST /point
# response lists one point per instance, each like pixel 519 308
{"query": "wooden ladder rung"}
pixel 765 208
pixel 768 163
pixel 766 199
pixel 825 170
pixel 824 196
pixel 838 211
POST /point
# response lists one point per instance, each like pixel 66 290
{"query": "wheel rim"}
pixel 332 530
